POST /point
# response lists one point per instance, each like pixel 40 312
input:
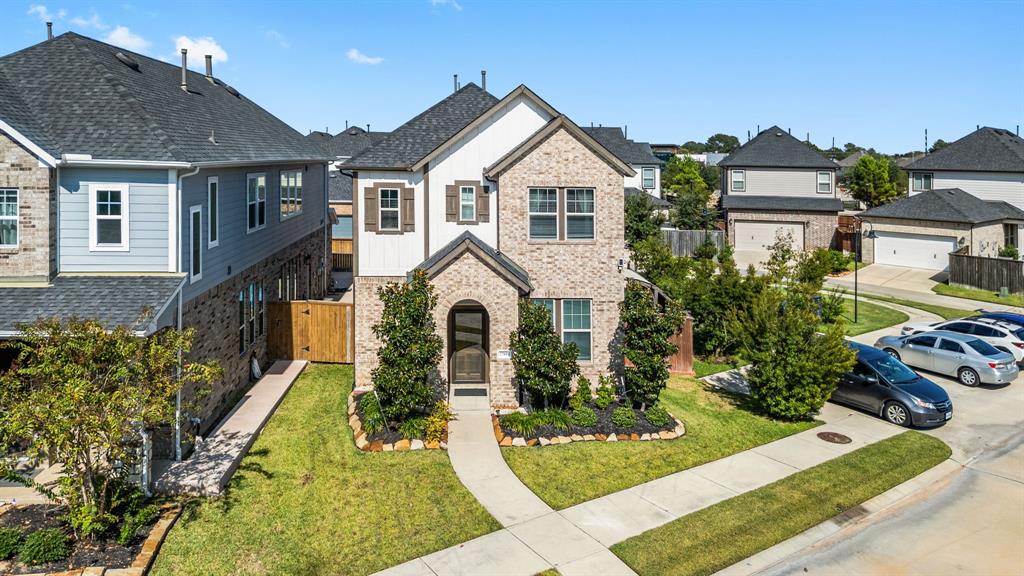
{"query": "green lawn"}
pixel 980 295
pixel 721 535
pixel 870 317
pixel 944 311
pixel 715 427
pixel 704 367
pixel 306 501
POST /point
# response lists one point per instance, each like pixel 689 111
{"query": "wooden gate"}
pixel 314 330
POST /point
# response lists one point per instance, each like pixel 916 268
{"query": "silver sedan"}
pixel 971 360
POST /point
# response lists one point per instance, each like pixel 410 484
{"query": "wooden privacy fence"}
pixel 685 242
pixel 314 330
pixel 986 273
pixel 341 254
pixel 682 361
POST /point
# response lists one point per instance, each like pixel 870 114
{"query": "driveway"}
pixel 913 279
pixel 745 258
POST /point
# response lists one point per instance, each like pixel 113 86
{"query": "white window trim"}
pixel 381 209
pixel 192 211
pixel 16 218
pixel 462 204
pixel 589 331
pixel 565 210
pixel 742 180
pixel 558 224
pixel 818 182
pixel 125 213
pixel 296 206
pixel 913 181
pixel 213 218
pixel 643 178
pixel 255 176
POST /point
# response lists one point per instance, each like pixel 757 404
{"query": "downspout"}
pixel 178 368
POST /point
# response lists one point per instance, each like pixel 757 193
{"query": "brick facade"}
pixel 35 256
pixel 368 309
pixel 819 227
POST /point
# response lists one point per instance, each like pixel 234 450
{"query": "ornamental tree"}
pixel 544 365
pixel 82 396
pixel 870 181
pixel 410 348
pixel 646 343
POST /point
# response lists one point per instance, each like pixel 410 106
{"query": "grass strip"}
pixel 979 295
pixel 721 535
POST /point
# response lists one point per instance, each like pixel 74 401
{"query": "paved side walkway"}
pixel 210 467
pixel 576 540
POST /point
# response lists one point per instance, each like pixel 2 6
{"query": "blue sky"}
pixel 874 73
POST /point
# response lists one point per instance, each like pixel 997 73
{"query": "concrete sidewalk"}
pixel 210 468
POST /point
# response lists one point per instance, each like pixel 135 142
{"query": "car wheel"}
pixel 896 413
pixel 968 377
pixel 892 353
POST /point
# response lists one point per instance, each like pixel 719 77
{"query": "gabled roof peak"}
pixel 776 148
pixel 986 149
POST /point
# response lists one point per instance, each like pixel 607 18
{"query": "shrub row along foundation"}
pixel 507 440
pixel 367 445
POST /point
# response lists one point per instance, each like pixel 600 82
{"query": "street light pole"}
pixel 856 266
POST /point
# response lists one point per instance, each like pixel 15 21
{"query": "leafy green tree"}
pixel 690 211
pixel 410 349
pixel 544 365
pixel 692 147
pixel 682 175
pixel 641 219
pixel 939 145
pixel 794 369
pixel 646 343
pixel 723 143
pixel 870 181
pixel 710 175
pixel 83 396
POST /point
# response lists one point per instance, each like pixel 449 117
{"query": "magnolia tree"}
pixel 544 365
pixel 82 396
pixel 647 334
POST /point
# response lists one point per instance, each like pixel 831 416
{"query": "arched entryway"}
pixel 468 343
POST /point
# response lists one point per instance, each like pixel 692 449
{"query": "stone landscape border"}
pixel 365 445
pixel 503 440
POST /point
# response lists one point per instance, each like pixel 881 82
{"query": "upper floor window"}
pixel 389 219
pixel 108 222
pixel 8 218
pixel 576 326
pixel 824 182
pixel 579 213
pixel 739 180
pixel 922 181
pixel 543 213
pixel 291 193
pixel 256 202
pixel 195 268
pixel 213 209
pixel 648 178
pixel 343 229
pixel 467 203
pixel 548 303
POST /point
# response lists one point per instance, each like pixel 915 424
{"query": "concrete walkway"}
pixel 576 540
pixel 210 467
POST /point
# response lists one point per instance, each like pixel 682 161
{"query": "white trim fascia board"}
pixel 124 163
pixel 172 220
pixel 30 145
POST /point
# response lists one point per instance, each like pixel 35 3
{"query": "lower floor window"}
pixel 1010 235
pixel 576 325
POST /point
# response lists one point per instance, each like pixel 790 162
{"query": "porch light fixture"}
pixel 621 262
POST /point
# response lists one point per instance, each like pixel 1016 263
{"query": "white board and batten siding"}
pixel 781 182
pixel 1005 186
pixel 390 254
pixel 759 235
pixel 914 250
pixel 637 181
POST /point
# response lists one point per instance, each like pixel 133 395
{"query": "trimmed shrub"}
pixel 624 417
pixel 10 540
pixel 437 422
pixel 544 365
pixel 582 394
pixel 584 417
pixel 605 392
pixel 647 343
pixel 656 416
pixel 137 521
pixel 519 423
pixel 413 428
pixel 46 545
pixel 831 307
pixel 553 417
pixel 1009 252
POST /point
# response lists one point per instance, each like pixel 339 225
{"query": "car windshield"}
pixel 1019 333
pixel 894 371
pixel 983 348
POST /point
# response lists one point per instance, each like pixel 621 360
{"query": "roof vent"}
pixel 127 60
pixel 232 91
pixel 778 133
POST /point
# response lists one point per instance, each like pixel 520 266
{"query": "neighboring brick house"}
pixel 140 194
pixel 497 200
pixel 776 185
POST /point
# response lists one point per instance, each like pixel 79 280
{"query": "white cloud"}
pixel 358 57
pixel 125 38
pixel 198 48
pixel 453 3
pixel 44 14
pixel 93 21
pixel 277 37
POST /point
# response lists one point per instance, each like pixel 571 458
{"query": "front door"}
pixel 468 345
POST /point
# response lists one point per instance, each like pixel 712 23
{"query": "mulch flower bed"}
pixel 91 558
pixel 386 440
pixel 604 431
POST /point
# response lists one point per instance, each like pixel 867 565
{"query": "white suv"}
pixel 1005 336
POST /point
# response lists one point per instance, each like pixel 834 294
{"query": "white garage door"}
pixel 761 235
pixel 914 250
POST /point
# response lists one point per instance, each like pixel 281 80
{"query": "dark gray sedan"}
pixel 972 360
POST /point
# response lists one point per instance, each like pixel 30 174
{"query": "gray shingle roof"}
pixel 72 95
pixel 627 150
pixel 946 205
pixel 984 150
pixel 776 148
pixel 347 143
pixel 339 187
pixel 111 300
pixel 468 237
pixel 418 137
pixel 790 203
pixel 655 201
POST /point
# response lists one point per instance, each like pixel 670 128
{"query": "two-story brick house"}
pixel 776 185
pixel 497 200
pixel 143 194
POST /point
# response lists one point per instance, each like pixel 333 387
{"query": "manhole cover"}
pixel 834 437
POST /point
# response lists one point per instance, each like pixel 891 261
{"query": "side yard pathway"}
pixel 576 540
